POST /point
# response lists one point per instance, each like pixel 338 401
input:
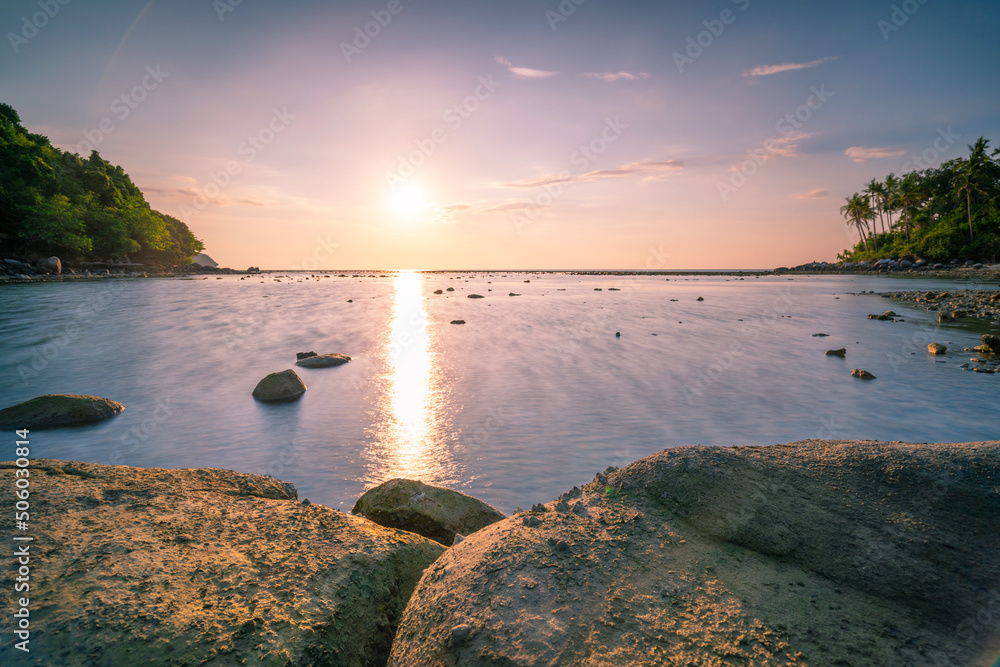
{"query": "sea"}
pixel 553 377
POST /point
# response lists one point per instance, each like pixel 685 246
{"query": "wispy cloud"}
pixel 648 170
pixel 615 76
pixel 524 72
pixel 812 194
pixel 514 206
pixel 767 70
pixel 860 154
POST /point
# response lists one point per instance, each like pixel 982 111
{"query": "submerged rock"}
pixel 458 321
pixel 205 566
pixel 862 373
pixel 818 553
pixel 304 355
pixel 991 345
pixel 476 296
pixel 430 511
pixel 281 386
pixel 323 360
pixel 842 352
pixel 55 410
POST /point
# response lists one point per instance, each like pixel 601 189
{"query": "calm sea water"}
pixel 533 395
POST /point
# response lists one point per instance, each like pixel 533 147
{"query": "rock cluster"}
pixel 983 304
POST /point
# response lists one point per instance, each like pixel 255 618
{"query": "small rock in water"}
pixel 700 298
pixel 450 289
pixel 439 291
pixel 277 387
pixel 458 321
pixel 936 348
pixel 322 360
pixel 618 334
pixel 304 355
pixel 820 335
pixel 476 296
pixel 862 373
pixel 842 352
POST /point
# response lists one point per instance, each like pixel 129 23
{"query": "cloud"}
pixel 649 170
pixel 812 194
pixel 514 206
pixel 524 72
pixel 860 154
pixel 767 70
pixel 615 76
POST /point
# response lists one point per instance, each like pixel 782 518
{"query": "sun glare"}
pixel 408 201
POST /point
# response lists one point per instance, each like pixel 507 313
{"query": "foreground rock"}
pixel 138 566
pixel 54 410
pixel 280 387
pixel 322 360
pixel 818 553
pixel 431 511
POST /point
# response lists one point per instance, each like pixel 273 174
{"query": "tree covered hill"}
pixel 943 213
pixel 58 203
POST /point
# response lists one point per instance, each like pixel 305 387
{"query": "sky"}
pixel 478 134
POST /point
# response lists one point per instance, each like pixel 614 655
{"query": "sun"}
pixel 408 201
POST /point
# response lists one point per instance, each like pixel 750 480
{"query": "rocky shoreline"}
pixel 817 552
pixel 981 304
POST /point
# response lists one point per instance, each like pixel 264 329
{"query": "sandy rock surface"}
pixel 134 566
pixel 431 511
pixel 815 553
pixel 54 410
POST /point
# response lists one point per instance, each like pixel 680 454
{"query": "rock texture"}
pixel 323 360
pixel 431 511
pixel 815 553
pixel 54 410
pixel 281 386
pixel 136 566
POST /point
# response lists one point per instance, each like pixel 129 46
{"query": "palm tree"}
pixel 874 191
pixel 891 198
pixel 970 176
pixel 857 210
pixel 909 196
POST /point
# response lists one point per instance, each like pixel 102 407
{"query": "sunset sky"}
pixel 473 134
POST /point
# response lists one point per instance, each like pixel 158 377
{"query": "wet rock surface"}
pixel 431 511
pixel 56 410
pixel 818 553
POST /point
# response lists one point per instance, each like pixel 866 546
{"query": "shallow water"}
pixel 533 395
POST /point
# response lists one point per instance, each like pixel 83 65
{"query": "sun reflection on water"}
pixel 411 427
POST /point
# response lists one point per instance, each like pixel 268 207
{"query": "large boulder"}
pixel 54 410
pixel 818 553
pixel 279 387
pixel 430 511
pixel 51 265
pixel 322 360
pixel 134 566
